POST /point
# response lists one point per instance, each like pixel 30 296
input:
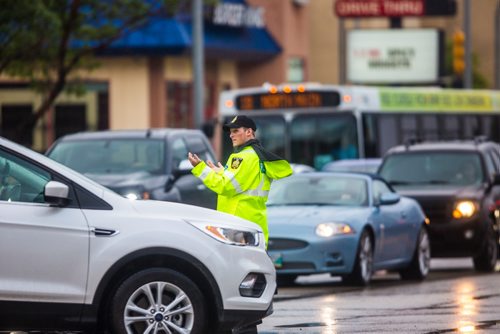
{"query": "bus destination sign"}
pixel 264 101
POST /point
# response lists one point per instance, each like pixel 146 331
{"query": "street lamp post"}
pixel 468 49
pixel 497 45
pixel 197 58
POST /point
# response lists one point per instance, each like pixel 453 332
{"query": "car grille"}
pixel 297 265
pixel 437 210
pixel 283 244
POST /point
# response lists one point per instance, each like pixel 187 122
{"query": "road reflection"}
pixel 467 307
pixel 453 299
pixel 328 315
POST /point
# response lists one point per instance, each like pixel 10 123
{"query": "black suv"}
pixel 457 183
pixel 140 164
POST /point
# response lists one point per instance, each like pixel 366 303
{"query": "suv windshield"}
pixel 436 168
pixel 112 156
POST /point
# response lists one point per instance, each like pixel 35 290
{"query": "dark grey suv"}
pixel 140 164
pixel 458 185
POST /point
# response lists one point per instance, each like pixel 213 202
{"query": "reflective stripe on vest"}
pixel 233 181
pixel 205 173
pixel 259 192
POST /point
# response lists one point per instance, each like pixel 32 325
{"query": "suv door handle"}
pixel 102 232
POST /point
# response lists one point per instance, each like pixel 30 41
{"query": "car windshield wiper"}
pixel 436 182
pixel 399 182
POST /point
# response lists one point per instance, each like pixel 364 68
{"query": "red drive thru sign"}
pixel 379 8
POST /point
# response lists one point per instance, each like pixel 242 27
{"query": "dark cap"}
pixel 240 122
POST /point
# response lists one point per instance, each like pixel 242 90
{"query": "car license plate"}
pixel 277 260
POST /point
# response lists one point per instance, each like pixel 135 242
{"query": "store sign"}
pixel 238 15
pixel 393 56
pixel 379 8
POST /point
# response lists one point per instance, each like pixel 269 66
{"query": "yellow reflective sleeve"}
pixel 277 169
pixel 226 183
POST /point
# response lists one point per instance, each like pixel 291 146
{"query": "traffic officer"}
pixel 243 184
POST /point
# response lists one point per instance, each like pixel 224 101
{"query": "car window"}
pixel 117 156
pixel 179 152
pixel 433 168
pixel 198 145
pixel 379 188
pixel 495 158
pixel 490 164
pixel 21 181
pixel 324 190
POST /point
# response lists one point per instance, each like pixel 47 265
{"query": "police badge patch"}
pixel 236 162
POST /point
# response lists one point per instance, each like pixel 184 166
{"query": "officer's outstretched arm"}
pixel 230 182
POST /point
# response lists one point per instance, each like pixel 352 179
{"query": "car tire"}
pixel 362 272
pixel 487 258
pixel 421 261
pixel 182 305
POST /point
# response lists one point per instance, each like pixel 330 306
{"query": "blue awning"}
pixel 170 36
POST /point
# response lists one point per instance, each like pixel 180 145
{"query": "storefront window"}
pixel 295 70
pixel 180 109
pixel 10 118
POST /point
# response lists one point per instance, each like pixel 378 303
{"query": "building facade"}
pixel 328 36
pixel 146 78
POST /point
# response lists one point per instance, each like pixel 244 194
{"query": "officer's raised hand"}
pixel 218 169
pixel 193 159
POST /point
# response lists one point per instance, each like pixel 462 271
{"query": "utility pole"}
pixel 497 45
pixel 342 53
pixel 198 62
pixel 468 43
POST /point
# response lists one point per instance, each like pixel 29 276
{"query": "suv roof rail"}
pixel 480 139
pixel 411 141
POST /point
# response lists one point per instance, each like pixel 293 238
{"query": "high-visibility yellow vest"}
pixel 244 184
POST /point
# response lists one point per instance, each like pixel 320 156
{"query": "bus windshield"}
pixel 312 140
pixel 318 140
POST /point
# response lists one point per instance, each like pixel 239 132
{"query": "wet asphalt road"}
pixel 453 299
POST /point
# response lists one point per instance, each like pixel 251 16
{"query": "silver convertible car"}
pixel 345 224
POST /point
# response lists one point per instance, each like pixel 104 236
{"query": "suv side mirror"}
pixel 495 180
pixel 389 198
pixel 56 193
pixel 184 168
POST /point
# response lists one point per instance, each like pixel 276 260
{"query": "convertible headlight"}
pixel 231 236
pixel 464 209
pixel 330 229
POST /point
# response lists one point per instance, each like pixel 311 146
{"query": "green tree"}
pixel 48 42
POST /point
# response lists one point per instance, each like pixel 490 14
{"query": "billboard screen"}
pixel 393 56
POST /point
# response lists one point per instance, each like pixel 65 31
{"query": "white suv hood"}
pixel 190 212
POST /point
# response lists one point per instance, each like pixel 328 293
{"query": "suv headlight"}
pixel 231 236
pixel 327 230
pixel 135 193
pixel 464 209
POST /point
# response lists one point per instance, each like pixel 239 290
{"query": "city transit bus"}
pixel 314 124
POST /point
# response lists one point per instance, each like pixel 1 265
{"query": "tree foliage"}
pixel 47 42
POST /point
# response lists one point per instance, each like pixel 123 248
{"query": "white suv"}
pixel 77 256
